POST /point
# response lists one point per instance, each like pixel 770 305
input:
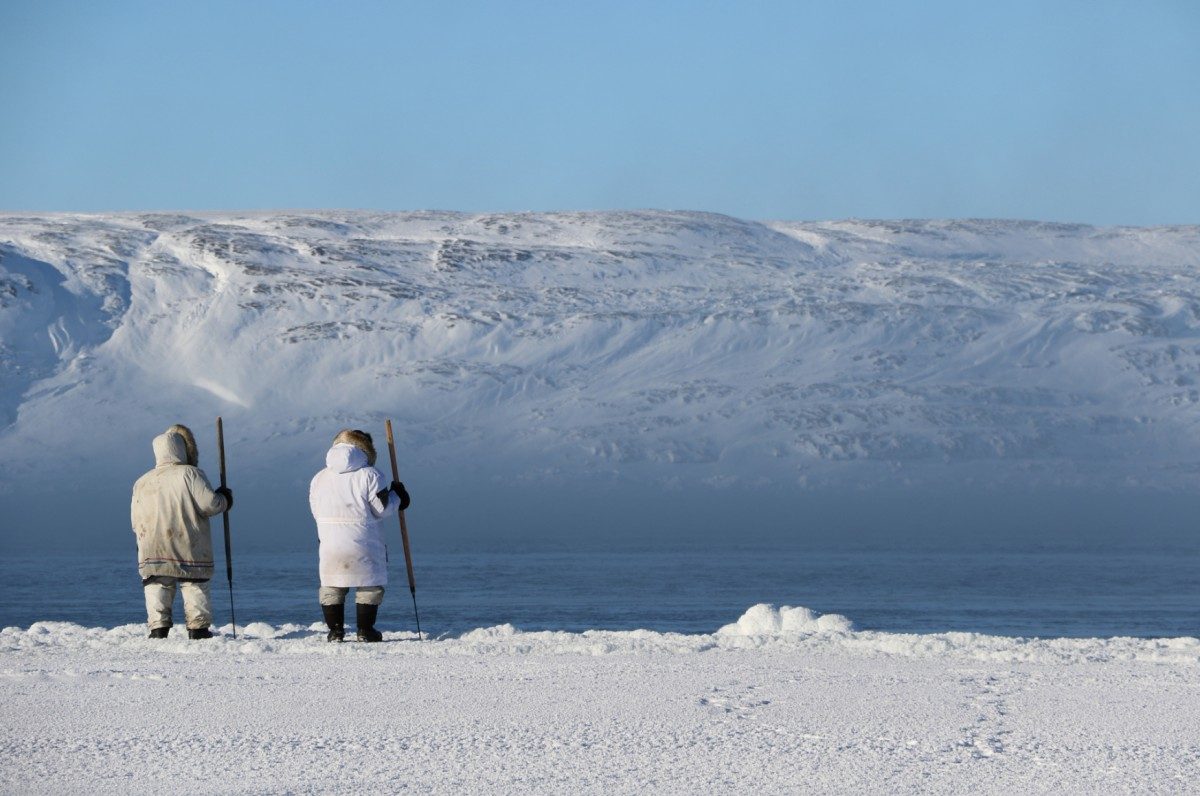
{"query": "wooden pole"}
pixel 412 583
pixel 225 517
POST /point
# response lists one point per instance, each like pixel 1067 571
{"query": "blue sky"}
pixel 1069 111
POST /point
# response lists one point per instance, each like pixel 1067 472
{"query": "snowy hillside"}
pixel 652 351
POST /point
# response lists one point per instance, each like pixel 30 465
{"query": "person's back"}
pixel 349 498
pixel 169 513
pixel 344 502
pixel 171 507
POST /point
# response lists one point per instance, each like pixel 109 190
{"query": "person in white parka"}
pixel 349 499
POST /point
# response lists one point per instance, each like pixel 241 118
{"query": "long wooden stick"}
pixel 412 583
pixel 225 517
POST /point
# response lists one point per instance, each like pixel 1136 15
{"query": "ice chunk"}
pixel 765 619
pixel 490 633
pixel 259 629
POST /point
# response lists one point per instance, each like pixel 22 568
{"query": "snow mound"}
pixel 765 619
pixel 261 630
pixel 490 633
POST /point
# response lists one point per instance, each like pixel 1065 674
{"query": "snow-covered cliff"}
pixel 656 353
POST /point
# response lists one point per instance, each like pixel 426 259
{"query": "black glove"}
pixel 227 493
pixel 402 493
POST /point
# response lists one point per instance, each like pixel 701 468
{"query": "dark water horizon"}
pixel 1055 593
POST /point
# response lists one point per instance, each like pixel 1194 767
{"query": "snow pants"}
pixel 363 595
pixel 160 594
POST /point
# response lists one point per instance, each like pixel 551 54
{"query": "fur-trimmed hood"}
pixel 189 441
pixel 169 448
pixel 359 439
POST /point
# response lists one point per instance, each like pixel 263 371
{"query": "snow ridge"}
pixel 761 627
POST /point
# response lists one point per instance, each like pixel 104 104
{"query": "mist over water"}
pixel 493 515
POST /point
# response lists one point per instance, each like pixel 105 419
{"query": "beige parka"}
pixel 170 511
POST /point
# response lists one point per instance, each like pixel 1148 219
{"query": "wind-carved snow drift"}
pixel 667 350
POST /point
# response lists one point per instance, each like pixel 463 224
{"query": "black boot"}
pixel 203 632
pixel 160 632
pixel 335 618
pixel 366 623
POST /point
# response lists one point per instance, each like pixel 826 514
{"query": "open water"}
pixel 1070 594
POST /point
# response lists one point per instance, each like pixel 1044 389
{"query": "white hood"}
pixel 343 458
pixel 169 448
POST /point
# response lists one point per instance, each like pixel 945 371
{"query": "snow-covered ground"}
pixel 779 702
pixel 656 351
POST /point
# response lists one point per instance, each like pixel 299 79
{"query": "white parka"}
pixel 170 511
pixel 345 503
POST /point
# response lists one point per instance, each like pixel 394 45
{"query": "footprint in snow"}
pixel 736 701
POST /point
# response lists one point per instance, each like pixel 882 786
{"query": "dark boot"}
pixel 335 618
pixel 203 632
pixel 366 623
pixel 160 632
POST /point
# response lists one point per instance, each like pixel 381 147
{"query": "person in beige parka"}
pixel 170 511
